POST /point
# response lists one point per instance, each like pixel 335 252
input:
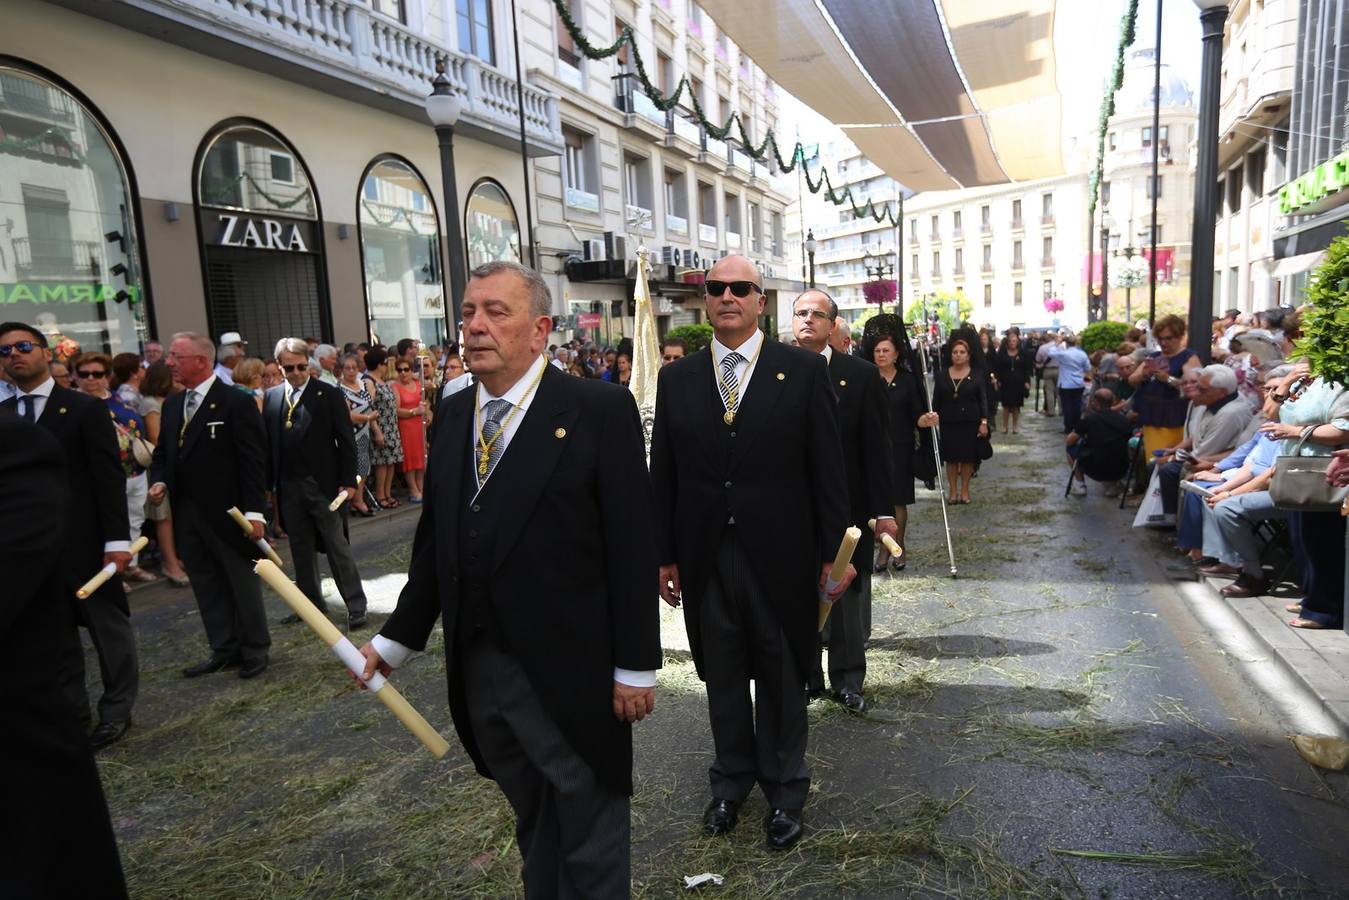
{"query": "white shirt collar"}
pixel 747 349
pixel 516 395
pixel 828 353
pixel 201 389
pixel 291 390
pixel 42 390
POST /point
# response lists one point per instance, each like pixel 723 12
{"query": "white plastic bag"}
pixel 1150 514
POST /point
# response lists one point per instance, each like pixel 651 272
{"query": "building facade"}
pixel 263 168
pixel 632 175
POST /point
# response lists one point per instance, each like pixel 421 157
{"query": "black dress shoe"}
pixel 851 700
pixel 784 828
pixel 720 816
pixel 215 663
pixel 108 733
pixel 253 669
pixel 355 622
pixel 289 620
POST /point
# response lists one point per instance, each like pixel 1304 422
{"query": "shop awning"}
pixel 1296 265
pixel 940 94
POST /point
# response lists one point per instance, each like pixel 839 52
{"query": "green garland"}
pixel 1128 30
pixel 723 132
pixel 398 213
pixel 217 194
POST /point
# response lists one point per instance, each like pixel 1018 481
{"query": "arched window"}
pixel 400 253
pixel 70 259
pixel 491 229
pixel 262 244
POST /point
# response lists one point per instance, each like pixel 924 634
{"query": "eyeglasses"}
pixel 294 367
pixel 404 368
pixel 739 288
pixel 91 373
pixel 671 357
pixel 21 346
pixel 804 314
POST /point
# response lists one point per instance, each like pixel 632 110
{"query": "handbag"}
pixel 1299 481
pixel 142 451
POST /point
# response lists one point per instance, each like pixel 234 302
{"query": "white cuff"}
pixel 117 547
pixel 392 652
pixel 632 678
pixel 884 518
pixel 255 517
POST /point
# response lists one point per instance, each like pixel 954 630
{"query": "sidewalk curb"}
pixel 1316 659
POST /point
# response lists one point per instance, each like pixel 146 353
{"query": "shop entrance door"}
pixel 264 295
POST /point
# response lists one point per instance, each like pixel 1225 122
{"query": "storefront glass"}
pixel 400 250
pixel 69 260
pixel 491 230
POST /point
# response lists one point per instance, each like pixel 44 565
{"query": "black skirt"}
pixel 960 442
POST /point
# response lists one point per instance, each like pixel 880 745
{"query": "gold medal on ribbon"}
pixel 729 417
pixel 288 425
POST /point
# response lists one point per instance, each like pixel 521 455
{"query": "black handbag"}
pixel 984 447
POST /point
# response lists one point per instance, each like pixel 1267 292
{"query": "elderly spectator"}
pixel 1048 370
pixel 60 373
pixel 326 357
pixel 1098 446
pixel 230 350
pixel 1157 399
pixel 1220 423
pixel 154 352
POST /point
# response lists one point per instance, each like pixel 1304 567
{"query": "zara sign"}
pixel 231 230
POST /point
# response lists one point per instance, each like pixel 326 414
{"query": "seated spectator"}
pixel 1239 503
pixel 1098 446
pixel 1221 424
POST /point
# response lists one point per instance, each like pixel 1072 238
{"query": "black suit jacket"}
pixel 57 832
pixel 83 427
pixel 574 570
pixel 868 452
pixel 322 422
pixel 221 463
pixel 778 470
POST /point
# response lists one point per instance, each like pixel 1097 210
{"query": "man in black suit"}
pixel 748 473
pixel 864 426
pixel 211 456
pixel 58 836
pixel 99 529
pixel 311 456
pixel 544 683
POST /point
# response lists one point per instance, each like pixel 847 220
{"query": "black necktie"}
pixel 28 403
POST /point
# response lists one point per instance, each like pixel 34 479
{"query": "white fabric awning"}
pixel 1296 265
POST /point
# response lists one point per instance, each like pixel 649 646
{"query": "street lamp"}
pixel 811 246
pixel 442 108
pixel 1107 225
pixel 1212 16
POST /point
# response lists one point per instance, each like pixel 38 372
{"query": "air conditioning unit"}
pixel 617 245
pixel 669 255
pixel 594 249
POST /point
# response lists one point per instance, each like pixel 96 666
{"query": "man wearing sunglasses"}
pixel 211 456
pixel 98 530
pixel 864 426
pixel 748 472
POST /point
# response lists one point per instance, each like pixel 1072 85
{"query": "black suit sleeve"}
pixel 663 483
pixel 419 603
pixel 251 452
pixel 877 447
pixel 344 436
pixel 103 461
pixel 627 512
pixel 825 450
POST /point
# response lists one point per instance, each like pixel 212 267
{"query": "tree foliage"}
pixel 1325 325
pixel 696 336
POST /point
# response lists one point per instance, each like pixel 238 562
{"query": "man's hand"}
pixel 848 576
pixel 373 663
pixel 669 586
pixel 1338 472
pixel 157 492
pixel 632 704
pixel 1207 475
pixel 1203 465
pixel 350 492
pixel 1216 498
pixel 887 526
pixel 257 529
pixel 927 420
pixel 1280 431
pixel 118 558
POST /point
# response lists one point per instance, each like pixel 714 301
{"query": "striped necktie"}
pixel 727 385
pixel 493 413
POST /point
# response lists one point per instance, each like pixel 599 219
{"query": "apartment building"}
pixel 634 175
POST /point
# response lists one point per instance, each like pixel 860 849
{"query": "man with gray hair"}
pixel 326 356
pixel 1223 426
pixel 231 349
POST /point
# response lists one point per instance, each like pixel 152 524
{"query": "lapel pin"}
pixel 560 433
pixel 62 410
pixel 212 406
pixel 843 382
pixel 781 377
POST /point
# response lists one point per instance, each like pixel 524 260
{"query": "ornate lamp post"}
pixel 811 246
pixel 442 108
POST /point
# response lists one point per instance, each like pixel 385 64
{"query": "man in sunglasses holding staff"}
pixel 752 503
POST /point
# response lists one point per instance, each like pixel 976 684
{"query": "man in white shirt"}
pixel 232 349
pixel 543 684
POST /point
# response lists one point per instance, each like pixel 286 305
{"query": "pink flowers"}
pixel 1053 304
pixel 879 292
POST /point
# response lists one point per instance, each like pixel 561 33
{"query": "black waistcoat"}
pixel 478 525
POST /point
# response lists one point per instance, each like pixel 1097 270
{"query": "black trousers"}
pixel 105 614
pixel 1320 535
pixel 1071 398
pixel 573 832
pixel 228 593
pixel 309 522
pixel 845 636
pixel 761 739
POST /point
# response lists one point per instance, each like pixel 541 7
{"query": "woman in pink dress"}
pixel 412 429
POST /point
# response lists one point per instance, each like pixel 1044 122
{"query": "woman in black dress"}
pixel 910 427
pixel 1014 370
pixel 960 399
pixel 986 359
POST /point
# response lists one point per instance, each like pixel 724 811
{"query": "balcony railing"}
pixel 957 233
pixel 56 258
pixel 958 270
pixel 986 268
pixel 1046 221
pixel 338 45
pixel 707 234
pixel 582 200
pixel 1047 262
pixel 986 228
pixel 676 224
pixel 1018 223
pixel 27 98
pixel 733 239
pixel 1018 264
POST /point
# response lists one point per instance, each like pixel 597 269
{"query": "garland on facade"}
pixel 50 137
pixel 398 213
pixel 1128 30
pixel 217 194
pixel 722 132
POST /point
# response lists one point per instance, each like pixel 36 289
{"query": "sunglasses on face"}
pixel 294 367
pixel 21 346
pixel 671 357
pixel 738 288
pixel 404 368
pixel 91 373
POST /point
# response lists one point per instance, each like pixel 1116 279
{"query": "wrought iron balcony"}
pixel 56 258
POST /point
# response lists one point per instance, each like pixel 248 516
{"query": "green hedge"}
pixel 696 336
pixel 1103 336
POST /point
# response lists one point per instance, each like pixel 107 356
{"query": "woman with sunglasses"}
pixel 411 428
pixel 93 371
pixel 1157 398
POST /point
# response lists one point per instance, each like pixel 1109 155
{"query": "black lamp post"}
pixel 1212 16
pixel 442 108
pixel 811 246
pixel 1107 223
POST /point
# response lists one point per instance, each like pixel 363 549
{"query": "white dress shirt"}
pixel 7 390
pixel 456 384
pixel 744 369
pixel 519 395
pixel 223 372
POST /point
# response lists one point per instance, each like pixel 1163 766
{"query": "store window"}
pixel 491 227
pixel 70 261
pixel 262 241
pixel 400 254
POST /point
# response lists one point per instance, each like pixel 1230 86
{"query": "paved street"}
pixel 1054 722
